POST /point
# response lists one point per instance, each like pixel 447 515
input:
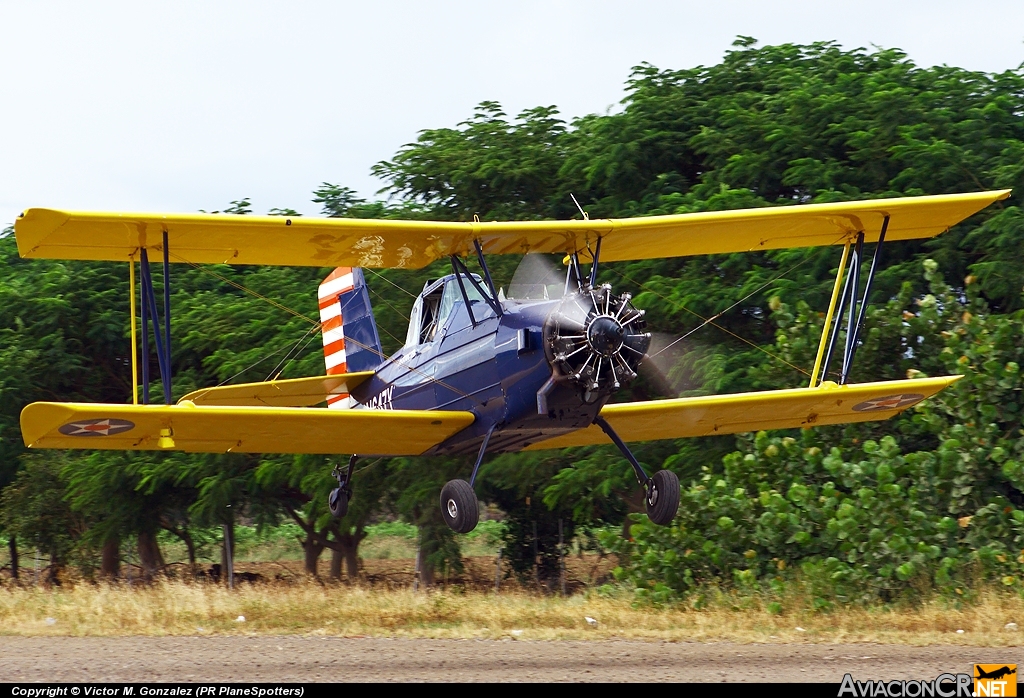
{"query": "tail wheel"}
pixel 459 506
pixel 337 502
pixel 662 497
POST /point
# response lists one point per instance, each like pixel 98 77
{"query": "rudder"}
pixel 351 342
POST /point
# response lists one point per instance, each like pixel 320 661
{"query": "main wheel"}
pixel 662 497
pixel 338 502
pixel 459 506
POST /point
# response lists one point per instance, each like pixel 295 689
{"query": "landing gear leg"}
pixel 662 490
pixel 337 502
pixel 458 499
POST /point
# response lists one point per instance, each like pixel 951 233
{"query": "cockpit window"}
pixel 453 295
pixel 431 311
pixel 538 277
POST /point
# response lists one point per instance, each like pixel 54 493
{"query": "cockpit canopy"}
pixel 435 305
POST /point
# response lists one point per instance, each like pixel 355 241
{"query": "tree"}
pixel 118 496
pixel 930 499
pixel 490 166
pixel 33 508
pixel 373 492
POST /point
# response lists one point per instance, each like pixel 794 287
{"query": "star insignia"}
pixel 96 427
pixel 888 402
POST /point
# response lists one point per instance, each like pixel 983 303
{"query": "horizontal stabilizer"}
pixel 194 429
pixel 293 392
pixel 348 242
pixel 774 409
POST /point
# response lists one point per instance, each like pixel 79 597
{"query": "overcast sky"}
pixel 181 106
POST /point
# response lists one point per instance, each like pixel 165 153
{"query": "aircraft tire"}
pixel 337 502
pixel 459 506
pixel 662 498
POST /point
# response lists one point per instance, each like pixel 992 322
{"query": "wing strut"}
pixel 855 313
pixel 462 289
pixel 828 315
pixel 460 269
pixel 487 276
pixel 593 266
pixel 135 341
pixel 162 336
pixel 851 345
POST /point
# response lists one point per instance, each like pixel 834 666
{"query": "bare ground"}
pixel 296 658
pixel 479 572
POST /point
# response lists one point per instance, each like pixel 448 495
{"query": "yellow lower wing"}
pixel 293 392
pixel 774 409
pixel 237 429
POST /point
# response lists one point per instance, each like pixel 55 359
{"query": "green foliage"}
pixel 530 534
pixel 33 509
pixel 490 167
pixel 864 519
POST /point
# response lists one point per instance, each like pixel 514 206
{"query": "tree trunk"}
pixel 12 547
pixel 227 553
pixel 312 547
pixel 426 571
pixel 336 557
pixel 352 563
pixel 427 545
pixel 191 546
pixel 346 547
pixel 110 559
pixel 54 570
pixel 150 558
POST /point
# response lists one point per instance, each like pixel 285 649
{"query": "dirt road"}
pixel 272 659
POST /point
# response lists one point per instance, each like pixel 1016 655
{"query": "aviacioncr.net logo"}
pixel 995 680
pixel 942 686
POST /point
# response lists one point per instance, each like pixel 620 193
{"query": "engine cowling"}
pixel 596 340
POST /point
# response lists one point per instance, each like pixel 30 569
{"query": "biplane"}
pixel 481 371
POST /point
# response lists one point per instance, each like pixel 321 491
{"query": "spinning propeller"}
pixel 595 339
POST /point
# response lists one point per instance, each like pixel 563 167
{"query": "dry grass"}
pixel 175 608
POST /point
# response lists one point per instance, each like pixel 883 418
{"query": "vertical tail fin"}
pixel 351 342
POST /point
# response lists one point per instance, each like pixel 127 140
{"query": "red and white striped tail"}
pixel 339 281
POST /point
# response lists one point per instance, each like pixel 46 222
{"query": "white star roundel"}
pixel 888 402
pixel 96 427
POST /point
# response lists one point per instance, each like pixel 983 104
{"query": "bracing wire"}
pixel 293 352
pixel 252 366
pixel 381 276
pixel 316 327
pixel 246 289
pixel 711 320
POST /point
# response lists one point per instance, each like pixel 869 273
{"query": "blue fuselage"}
pixel 494 369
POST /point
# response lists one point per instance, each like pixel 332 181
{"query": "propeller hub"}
pixel 596 340
pixel 605 335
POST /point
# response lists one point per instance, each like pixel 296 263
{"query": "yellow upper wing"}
pixel 328 242
pixel 237 429
pixel 292 392
pixel 773 409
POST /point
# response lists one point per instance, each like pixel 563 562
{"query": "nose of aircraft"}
pixel 596 340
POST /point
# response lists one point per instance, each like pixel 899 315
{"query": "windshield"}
pixel 431 312
pixel 453 295
pixel 538 277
